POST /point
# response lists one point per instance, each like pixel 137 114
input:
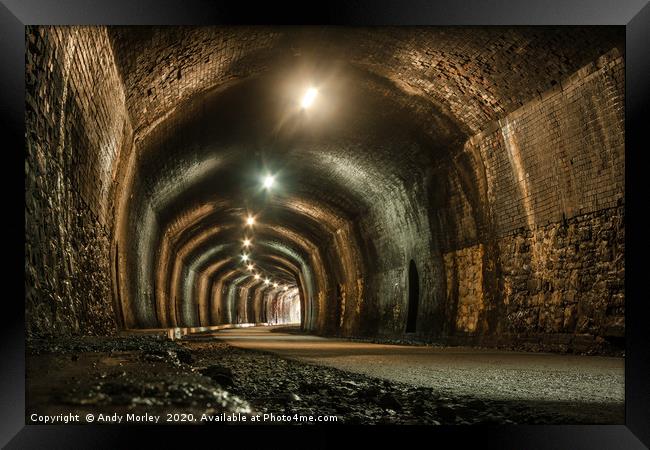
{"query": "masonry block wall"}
pixel 76 124
pixel 545 255
pixel 492 160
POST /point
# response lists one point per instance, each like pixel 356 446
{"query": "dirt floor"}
pixel 203 379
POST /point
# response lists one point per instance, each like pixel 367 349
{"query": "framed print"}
pixel 382 217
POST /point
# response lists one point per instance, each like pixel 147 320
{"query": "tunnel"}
pixel 461 186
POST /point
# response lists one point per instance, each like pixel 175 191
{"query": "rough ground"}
pixel 152 375
pixel 139 375
pixel 483 373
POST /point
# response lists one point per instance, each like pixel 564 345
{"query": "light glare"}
pixel 250 220
pixel 247 242
pixel 309 97
pixel 268 181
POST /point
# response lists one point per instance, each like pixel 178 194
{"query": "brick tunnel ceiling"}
pixel 212 110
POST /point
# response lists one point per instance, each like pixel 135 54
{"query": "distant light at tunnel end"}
pixel 309 97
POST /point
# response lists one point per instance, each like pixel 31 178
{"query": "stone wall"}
pixel 567 277
pixel 465 287
pixel 76 124
pixel 536 242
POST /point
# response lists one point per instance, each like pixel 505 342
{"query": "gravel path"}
pixel 484 374
pixel 211 380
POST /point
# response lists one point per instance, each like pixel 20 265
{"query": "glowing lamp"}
pixel 309 97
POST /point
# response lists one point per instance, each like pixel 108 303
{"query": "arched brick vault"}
pixel 312 204
pixel 486 155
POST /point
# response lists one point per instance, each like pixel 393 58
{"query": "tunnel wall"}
pixel 536 247
pixel 282 308
pixel 397 231
pixel 76 125
pixel 517 234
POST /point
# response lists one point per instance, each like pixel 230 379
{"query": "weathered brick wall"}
pixel 560 155
pixel 465 276
pixel 76 125
pixel 552 210
pixel 397 231
pixel 477 74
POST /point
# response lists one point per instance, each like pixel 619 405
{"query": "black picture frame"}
pixel 633 14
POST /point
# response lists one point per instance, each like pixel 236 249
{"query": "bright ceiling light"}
pixel 309 97
pixel 250 220
pixel 267 281
pixel 268 181
pixel 247 242
pixel 257 276
pixel 250 267
pixel 244 257
pixel 286 288
pixel 275 285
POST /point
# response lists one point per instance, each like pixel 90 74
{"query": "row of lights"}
pixel 268 182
